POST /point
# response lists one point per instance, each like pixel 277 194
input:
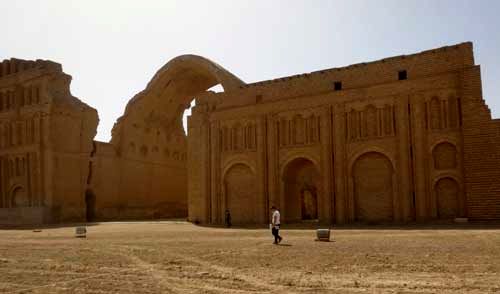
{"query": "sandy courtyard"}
pixel 177 257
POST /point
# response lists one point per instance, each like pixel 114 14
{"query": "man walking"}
pixel 275 225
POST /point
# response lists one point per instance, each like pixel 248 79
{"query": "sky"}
pixel 112 49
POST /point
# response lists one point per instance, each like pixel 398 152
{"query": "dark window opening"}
pixel 402 75
pixel 337 86
pixel 90 205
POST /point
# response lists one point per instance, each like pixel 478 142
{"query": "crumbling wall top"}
pixel 14 66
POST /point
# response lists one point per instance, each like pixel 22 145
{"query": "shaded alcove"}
pixel 241 194
pixel 90 200
pixel 301 187
pixel 20 197
pixel 447 191
pixel 372 176
pixel 445 156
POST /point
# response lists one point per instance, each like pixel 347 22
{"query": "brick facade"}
pixel 45 143
pixel 380 149
pixel 402 139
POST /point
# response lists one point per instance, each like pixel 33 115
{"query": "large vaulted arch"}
pixel 149 141
pixel 172 89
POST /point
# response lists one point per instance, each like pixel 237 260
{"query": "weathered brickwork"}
pixel 45 143
pixel 407 138
pixel 403 139
pixel 142 172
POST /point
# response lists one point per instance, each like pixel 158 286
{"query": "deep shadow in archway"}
pixel 302 182
pixel 89 205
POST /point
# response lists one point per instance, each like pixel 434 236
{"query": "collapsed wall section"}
pixel 45 143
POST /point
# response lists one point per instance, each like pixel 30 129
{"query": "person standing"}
pixel 228 218
pixel 275 225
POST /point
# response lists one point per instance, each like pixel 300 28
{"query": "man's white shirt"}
pixel 276 217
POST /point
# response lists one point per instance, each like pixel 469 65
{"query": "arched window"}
pixel 445 156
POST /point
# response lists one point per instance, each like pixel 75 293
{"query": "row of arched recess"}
pixel 373 178
pixel 17 197
pixel 374 190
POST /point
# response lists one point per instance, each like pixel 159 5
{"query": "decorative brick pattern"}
pixel 402 139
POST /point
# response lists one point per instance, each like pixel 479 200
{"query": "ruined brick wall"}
pixel 147 181
pixel 394 142
pixel 45 142
pixel 402 139
pixel 143 171
pixel 481 137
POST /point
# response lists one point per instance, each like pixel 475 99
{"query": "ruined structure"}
pixel 396 140
pixel 45 143
pixel 406 138
pixel 143 170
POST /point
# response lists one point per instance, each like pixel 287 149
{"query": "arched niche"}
pixel 372 176
pixel 20 197
pixel 241 194
pixel 302 186
pixel 444 156
pixel 447 192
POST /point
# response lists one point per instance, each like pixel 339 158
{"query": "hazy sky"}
pixel 113 48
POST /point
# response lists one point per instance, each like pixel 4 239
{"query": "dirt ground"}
pixel 178 257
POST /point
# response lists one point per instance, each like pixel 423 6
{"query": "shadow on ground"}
pixel 438 225
pixel 309 225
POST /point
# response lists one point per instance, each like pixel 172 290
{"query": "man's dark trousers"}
pixel 276 231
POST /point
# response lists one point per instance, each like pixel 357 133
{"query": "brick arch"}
pixel 19 197
pixel 171 90
pixel 240 191
pixel 301 189
pixel 372 175
pixel 444 155
pixel 443 138
pixel 295 155
pixel 153 117
pixel 241 159
pixel 355 155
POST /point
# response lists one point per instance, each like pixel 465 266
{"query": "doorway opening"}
pixel 89 205
pixel 302 180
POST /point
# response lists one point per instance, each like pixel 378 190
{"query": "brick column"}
pixel 272 161
pixel 215 173
pixel 419 158
pixel 340 165
pixel 199 166
pixel 326 205
pixel 261 137
pixel 405 189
